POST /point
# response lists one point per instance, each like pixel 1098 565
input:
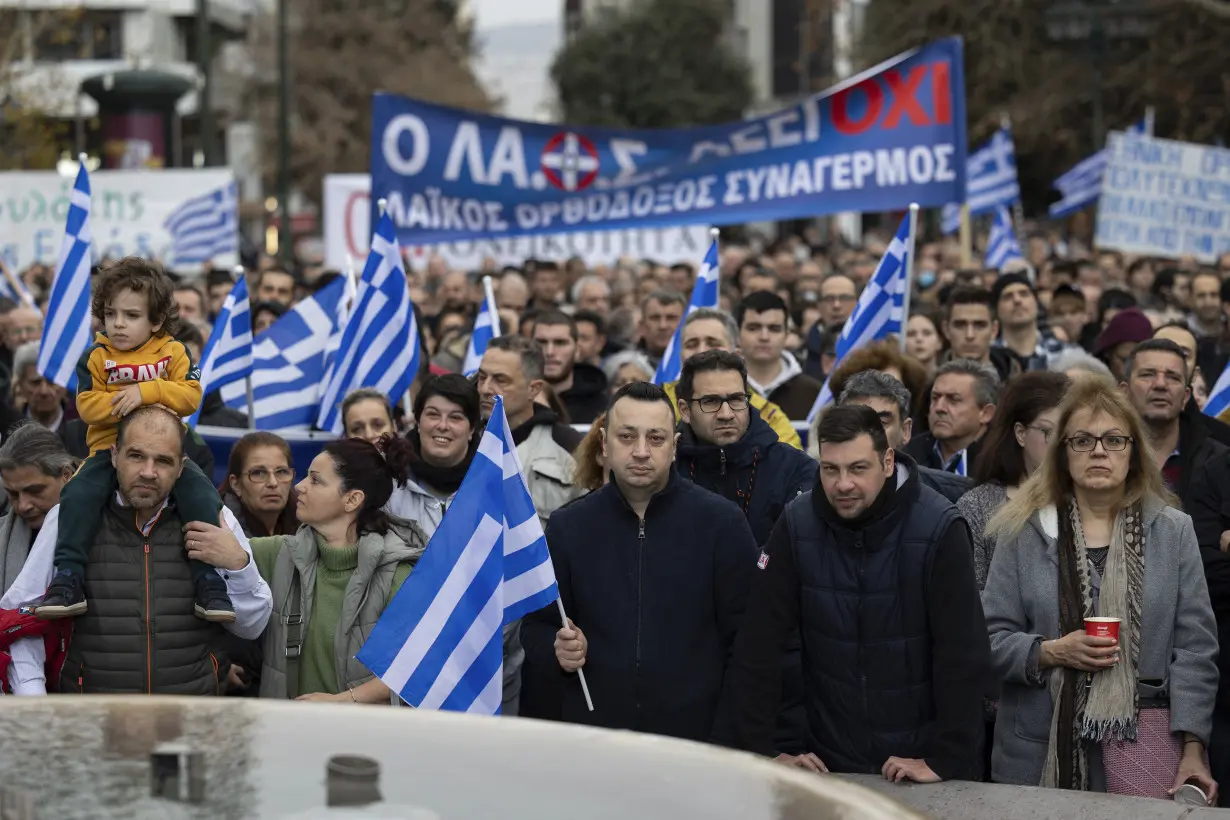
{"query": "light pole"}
pixel 204 92
pixel 285 246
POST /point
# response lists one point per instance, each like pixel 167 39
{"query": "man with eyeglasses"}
pixel 838 296
pixel 727 448
pixel 1156 382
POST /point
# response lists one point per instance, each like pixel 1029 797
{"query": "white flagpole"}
pixel 489 293
pixel 237 272
pixel 580 672
pixel 909 273
pixel 1150 113
pixel 716 234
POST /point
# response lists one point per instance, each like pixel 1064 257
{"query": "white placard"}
pixel 127 211
pixel 347 231
pixel 1165 198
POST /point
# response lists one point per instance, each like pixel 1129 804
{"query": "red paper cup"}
pixel 1102 628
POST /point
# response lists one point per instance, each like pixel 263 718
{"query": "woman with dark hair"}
pixel 886 357
pixel 442 445
pixel 1012 449
pixel 258 485
pixel 333 578
pixel 367 415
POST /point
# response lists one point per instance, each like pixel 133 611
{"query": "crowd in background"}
pixel 1055 404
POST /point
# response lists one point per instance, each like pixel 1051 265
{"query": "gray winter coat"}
pixel 1178 647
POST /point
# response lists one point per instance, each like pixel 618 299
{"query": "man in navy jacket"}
pixel 725 447
pixel 654 572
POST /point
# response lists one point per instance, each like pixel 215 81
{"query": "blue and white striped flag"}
pixel 1219 397
pixel 439 642
pixel 205 227
pixel 484 331
pixel 289 362
pixel 1002 245
pixel 380 345
pixel 13 287
pixel 990 180
pixel 227 357
pixel 1081 185
pixel 706 293
pixel 67 327
pixel 880 309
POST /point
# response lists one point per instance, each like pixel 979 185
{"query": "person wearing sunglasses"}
pixel 1095 533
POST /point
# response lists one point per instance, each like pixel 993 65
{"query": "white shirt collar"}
pixel 153 519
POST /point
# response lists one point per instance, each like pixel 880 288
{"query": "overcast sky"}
pixel 501 12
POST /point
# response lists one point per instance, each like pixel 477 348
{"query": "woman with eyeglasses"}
pixel 1011 451
pixel 1093 534
pixel 259 485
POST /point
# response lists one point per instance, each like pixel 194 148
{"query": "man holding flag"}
pixel 654 573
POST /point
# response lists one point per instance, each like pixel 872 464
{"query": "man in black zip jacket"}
pixel 725 447
pixel 875 572
pixel 654 573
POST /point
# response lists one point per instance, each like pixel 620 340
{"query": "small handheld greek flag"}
pixel 439 643
pixel 990 180
pixel 1002 245
pixel 705 294
pixel 484 330
pixel 67 328
pixel 227 357
pixel 880 309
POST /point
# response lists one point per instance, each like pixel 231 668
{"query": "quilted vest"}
pixel 863 625
pixel 141 633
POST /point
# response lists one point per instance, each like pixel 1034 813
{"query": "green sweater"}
pixel 335 565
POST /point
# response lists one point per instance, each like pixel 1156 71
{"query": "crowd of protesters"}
pixel 906 596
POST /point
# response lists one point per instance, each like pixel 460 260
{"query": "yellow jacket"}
pixel 768 411
pixel 161 366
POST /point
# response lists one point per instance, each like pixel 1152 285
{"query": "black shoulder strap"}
pixel 293 619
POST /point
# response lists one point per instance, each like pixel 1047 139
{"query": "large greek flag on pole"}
pixel 67 327
pixel 205 226
pixel 484 330
pixel 439 642
pixel 1002 245
pixel 227 357
pixel 990 180
pixel 706 293
pixel 880 309
pixel 1219 396
pixel 1081 185
pixel 289 362
pixel 380 344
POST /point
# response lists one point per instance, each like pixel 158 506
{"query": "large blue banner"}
pixel 890 136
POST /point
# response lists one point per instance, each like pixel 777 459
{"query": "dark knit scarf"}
pixel 444 480
pixel 1103 705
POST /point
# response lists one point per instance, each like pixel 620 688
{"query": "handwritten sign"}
pixel 1165 198
pixel 128 209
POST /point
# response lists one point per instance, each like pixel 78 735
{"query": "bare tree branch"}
pixel 1221 8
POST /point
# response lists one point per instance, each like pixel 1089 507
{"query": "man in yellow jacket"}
pixel 710 329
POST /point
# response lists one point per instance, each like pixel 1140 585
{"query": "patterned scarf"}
pixel 1103 705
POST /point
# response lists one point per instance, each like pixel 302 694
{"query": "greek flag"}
pixel 880 309
pixel 12 287
pixel 484 331
pixel 990 180
pixel 289 361
pixel 1219 397
pixel 439 643
pixel 1081 185
pixel 227 357
pixel 705 294
pixel 380 345
pixel 205 227
pixel 67 328
pixel 1002 245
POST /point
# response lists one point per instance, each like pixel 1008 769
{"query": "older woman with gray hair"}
pixel 1099 617
pixel 1074 362
pixel 625 367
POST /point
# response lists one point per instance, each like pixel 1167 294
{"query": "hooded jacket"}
pixel 793 390
pixel 587 398
pixel 759 473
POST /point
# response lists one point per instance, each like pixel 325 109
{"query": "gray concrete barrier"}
pixel 983 801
